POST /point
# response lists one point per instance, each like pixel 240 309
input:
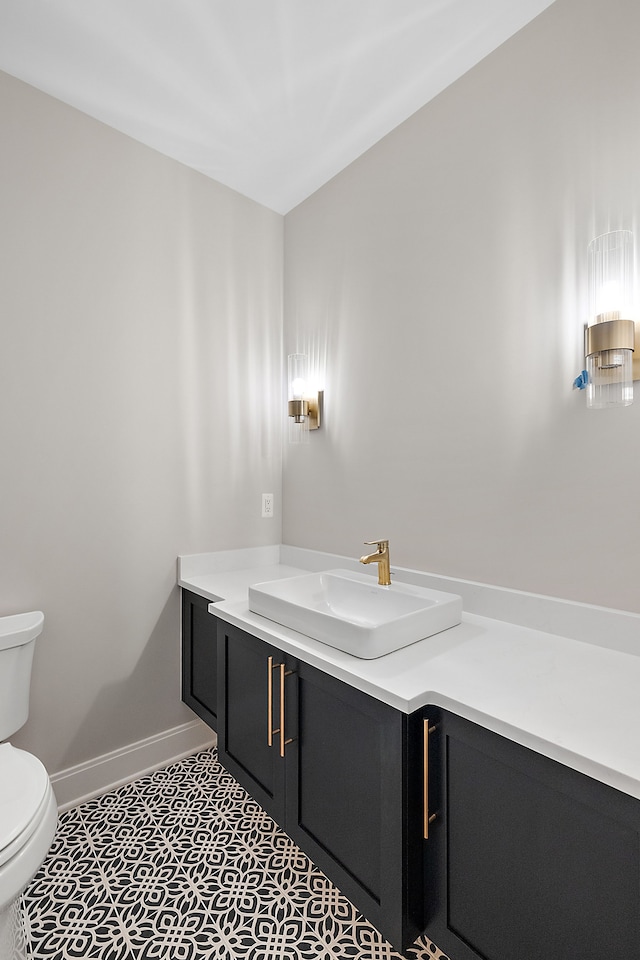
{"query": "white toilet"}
pixel 28 811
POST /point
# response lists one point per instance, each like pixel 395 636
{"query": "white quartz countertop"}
pixel 575 702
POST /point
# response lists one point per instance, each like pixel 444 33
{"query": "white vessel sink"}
pixel 352 612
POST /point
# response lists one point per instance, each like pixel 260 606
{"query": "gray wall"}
pixel 439 284
pixel 140 319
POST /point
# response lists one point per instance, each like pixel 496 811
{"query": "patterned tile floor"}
pixel 184 865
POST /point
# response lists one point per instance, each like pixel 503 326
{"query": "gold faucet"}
pixel 381 557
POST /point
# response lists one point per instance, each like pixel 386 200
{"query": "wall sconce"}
pixel 304 407
pixel 611 333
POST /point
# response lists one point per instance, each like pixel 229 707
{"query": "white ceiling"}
pixel 270 97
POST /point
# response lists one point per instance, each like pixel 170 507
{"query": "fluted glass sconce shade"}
pixel 304 407
pixel 610 334
pixel 298 404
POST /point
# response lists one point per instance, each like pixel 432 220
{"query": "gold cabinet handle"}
pixel 270 731
pixel 283 673
pixel 271 666
pixel 425 783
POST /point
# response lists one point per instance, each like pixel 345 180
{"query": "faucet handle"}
pixel 381 544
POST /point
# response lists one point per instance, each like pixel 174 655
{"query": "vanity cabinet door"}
pixel 249 696
pixel 199 658
pixel 526 858
pixel 346 796
pixel 334 774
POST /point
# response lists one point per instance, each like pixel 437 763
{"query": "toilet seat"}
pixel 24 792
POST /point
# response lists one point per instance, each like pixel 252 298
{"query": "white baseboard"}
pixel 94 777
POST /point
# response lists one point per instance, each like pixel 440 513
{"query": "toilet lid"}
pixel 23 785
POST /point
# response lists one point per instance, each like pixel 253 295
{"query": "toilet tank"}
pixel 17 642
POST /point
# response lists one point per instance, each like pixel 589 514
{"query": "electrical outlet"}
pixel 267 504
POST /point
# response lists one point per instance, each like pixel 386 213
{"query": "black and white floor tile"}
pixel 184 865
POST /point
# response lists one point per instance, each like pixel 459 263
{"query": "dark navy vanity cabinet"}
pixel 425 821
pixel 526 858
pixel 329 763
pixel 199 658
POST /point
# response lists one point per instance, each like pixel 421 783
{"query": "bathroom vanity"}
pixel 422 783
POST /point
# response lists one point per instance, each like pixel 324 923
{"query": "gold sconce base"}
pixel 298 409
pixel 311 408
pixel 614 335
pixel 610 335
